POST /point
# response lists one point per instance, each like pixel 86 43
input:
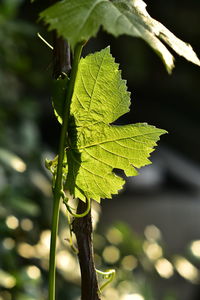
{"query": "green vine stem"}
pixel 58 183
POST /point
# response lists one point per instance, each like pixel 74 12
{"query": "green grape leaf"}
pixel 81 19
pixel 96 146
pixel 153 32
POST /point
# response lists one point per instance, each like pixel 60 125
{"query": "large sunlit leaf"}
pixel 96 146
pixel 81 19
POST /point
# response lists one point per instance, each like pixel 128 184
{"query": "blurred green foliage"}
pixel 21 196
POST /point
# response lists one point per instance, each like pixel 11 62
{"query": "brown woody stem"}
pixel 82 227
pixel 61 57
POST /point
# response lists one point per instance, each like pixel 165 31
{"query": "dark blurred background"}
pixel 150 231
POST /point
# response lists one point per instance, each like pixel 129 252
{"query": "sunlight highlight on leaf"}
pixel 96 146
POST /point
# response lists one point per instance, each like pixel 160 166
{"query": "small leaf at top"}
pixel 81 19
pixel 96 147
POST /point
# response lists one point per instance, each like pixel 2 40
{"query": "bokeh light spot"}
pixel 33 272
pixel 12 222
pixel 65 261
pixel 7 280
pixel 26 224
pixel 152 250
pixel 114 236
pixel 8 243
pixel 45 238
pixel 135 296
pixel 111 293
pixel 152 233
pixel 111 254
pixel 186 269
pixel 25 250
pixel 164 268
pixel 129 262
pixel 18 164
pixel 195 248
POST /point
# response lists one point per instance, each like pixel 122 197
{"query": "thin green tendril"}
pixel 69 208
pixel 46 43
pixel 109 275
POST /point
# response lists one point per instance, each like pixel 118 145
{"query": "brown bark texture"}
pixel 82 227
pixel 61 57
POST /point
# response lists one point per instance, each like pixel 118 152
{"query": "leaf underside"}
pixel 80 20
pixel 96 147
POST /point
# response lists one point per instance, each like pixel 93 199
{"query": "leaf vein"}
pixel 97 159
pixel 113 153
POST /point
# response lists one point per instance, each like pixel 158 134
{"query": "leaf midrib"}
pixel 119 139
pixel 88 110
